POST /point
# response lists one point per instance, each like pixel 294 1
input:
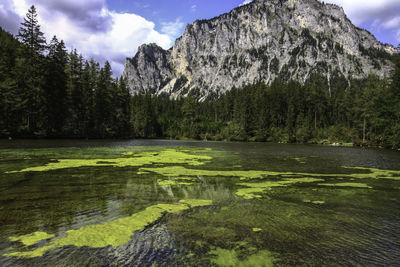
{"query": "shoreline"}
pixel 326 143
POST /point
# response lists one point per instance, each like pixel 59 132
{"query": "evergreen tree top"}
pixel 30 34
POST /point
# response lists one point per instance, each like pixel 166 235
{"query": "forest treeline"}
pixel 47 92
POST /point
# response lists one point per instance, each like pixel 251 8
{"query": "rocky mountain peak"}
pixel 260 41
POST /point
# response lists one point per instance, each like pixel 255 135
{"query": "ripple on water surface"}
pixel 194 203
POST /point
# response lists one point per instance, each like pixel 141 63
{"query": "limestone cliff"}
pixel 260 41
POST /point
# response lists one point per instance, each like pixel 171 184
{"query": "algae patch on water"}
pixel 114 233
pixel 177 181
pixel 166 182
pixel 301 160
pixel 375 173
pixel 355 185
pixel 253 189
pixel 176 171
pixel 31 239
pixel 224 257
pixel 168 156
pixel 317 202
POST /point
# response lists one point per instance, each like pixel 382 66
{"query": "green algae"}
pixel 253 188
pixel 114 233
pixel 177 181
pixel 167 156
pixel 288 224
pixel 355 185
pixel 301 160
pixel 375 173
pixel 250 193
pixel 184 183
pixel 176 171
pixel 166 182
pixel 224 257
pixel 317 202
pixel 196 202
pixel 31 239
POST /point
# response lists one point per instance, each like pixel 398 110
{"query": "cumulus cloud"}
pixel 9 19
pixel 382 14
pixel 91 28
pixel 173 28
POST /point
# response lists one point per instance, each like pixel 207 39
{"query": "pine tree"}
pixel 123 107
pixel 30 70
pixel 103 101
pixel 89 84
pixel 10 102
pixel 74 93
pixel 56 87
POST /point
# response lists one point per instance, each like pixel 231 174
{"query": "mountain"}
pixel 260 41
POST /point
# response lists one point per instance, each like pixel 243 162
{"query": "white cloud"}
pixel 172 29
pixel 9 19
pixel 392 23
pixel 246 2
pixel 94 30
pixel 193 8
pixel 383 14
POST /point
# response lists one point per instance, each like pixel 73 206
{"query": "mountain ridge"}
pixel 260 41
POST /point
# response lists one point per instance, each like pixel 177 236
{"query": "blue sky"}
pixel 113 29
pixel 186 11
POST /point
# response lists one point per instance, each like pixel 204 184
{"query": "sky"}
pixel 113 29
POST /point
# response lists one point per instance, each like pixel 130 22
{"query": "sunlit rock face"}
pixel 260 41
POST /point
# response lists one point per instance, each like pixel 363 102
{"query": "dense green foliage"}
pixel 365 113
pixel 47 92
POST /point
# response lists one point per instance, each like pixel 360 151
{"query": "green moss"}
pixel 114 233
pixel 168 156
pixel 31 239
pixel 224 257
pixel 355 185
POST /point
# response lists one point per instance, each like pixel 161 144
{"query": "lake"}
pixel 176 203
